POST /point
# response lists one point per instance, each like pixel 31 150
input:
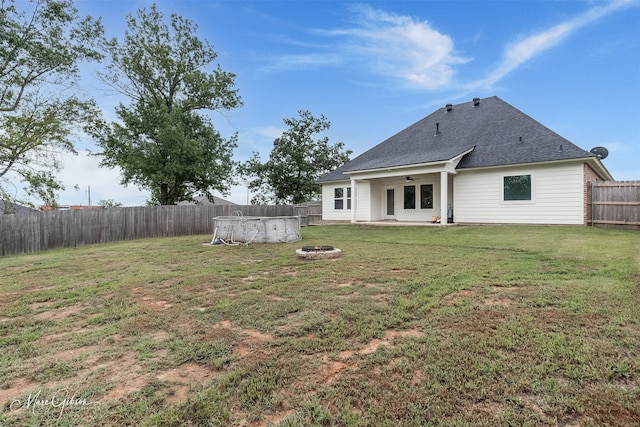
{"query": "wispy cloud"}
pixel 527 48
pixel 400 47
pixel 271 132
pixel 383 43
pixel 83 178
pixel 412 51
pixel 302 61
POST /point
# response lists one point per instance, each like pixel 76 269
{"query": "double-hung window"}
pixel 342 198
pixel 338 198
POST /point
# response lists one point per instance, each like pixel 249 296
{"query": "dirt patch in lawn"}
pixel 497 296
pixel 119 367
pixel 456 297
pixel 142 297
pixel 329 371
pixel 248 342
pixel 387 341
pixel 124 372
pixel 56 314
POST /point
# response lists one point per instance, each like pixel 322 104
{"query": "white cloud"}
pixel 395 46
pixel 302 61
pixel 98 182
pixel 401 47
pixel 92 181
pixel 412 51
pixel 270 132
pixel 524 50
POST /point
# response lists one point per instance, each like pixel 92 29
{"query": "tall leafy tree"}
pixel 41 44
pixel 298 158
pixel 163 141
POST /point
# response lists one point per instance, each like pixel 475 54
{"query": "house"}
pixel 482 161
pixel 7 207
pixel 203 200
pixel 69 207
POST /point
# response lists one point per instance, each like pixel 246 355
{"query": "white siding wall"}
pixel 329 213
pixel 376 202
pixel 363 204
pixel 557 196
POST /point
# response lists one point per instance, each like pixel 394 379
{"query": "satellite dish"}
pixel 601 152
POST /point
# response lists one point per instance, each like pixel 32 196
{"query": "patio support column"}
pixel 444 193
pixel 354 200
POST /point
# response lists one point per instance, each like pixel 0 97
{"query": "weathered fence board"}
pixel 39 231
pixel 310 213
pixel 615 204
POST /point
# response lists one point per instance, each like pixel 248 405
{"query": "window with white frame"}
pixel 517 187
pixel 342 198
pixel 338 198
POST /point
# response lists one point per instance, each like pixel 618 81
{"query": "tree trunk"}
pixel 164 194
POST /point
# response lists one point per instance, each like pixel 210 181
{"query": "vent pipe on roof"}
pixel 520 139
pixel 437 128
pixel 449 107
pixel 476 102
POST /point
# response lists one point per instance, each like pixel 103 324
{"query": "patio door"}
pixel 391 203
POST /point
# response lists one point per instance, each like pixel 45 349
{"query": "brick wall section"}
pixel 589 176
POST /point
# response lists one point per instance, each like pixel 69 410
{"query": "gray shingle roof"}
pixel 14 208
pixel 203 200
pixel 499 134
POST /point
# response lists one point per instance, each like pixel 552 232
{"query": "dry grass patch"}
pixel 411 326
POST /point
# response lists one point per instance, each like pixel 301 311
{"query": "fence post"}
pixel 593 210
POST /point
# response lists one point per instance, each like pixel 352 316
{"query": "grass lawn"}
pixel 412 326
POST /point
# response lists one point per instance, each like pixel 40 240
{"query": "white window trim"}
pixel 346 199
pixel 518 202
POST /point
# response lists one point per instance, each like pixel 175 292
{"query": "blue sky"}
pixel 374 68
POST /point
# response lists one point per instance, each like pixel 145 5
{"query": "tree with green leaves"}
pixel 163 142
pixel 109 203
pixel 41 44
pixel 299 157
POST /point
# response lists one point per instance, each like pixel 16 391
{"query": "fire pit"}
pixel 317 248
pixel 318 252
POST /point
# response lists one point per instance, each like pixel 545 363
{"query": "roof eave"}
pixel 332 181
pixel 594 161
pixel 390 168
pixel 596 164
pixel 455 159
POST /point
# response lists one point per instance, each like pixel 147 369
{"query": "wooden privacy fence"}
pixel 41 231
pixel 309 213
pixel 615 204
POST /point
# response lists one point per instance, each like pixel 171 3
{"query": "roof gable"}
pixel 498 133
